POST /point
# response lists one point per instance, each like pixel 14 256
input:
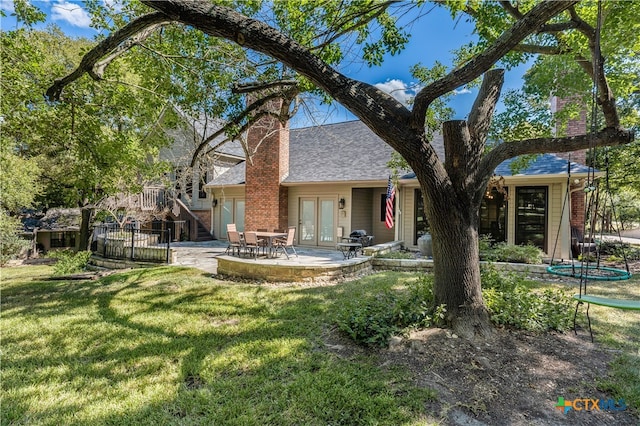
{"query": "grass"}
pixel 170 345
pixel 617 330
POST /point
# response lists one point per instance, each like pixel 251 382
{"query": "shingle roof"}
pixel 204 129
pixel 342 152
pixel 351 152
pixel 545 164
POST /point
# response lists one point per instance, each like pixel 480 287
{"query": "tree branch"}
pixel 106 46
pixel 98 69
pixel 260 86
pixel 482 110
pixel 606 137
pixel 541 50
pixel 381 8
pixel 286 96
pixel 521 29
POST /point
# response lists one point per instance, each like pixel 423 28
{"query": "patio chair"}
pixel 235 242
pixel 251 244
pixel 283 243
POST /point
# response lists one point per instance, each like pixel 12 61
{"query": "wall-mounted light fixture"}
pixel 214 202
pixel 341 203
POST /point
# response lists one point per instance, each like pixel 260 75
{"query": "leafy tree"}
pixel 286 42
pixel 565 71
pixel 87 146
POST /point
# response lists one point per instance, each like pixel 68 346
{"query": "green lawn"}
pixel 172 346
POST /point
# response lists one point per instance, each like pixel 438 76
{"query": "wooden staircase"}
pixel 197 230
pixel 202 233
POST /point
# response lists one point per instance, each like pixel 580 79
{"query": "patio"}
pixel 311 263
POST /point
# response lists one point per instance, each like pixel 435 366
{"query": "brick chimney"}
pixel 575 127
pixel 266 200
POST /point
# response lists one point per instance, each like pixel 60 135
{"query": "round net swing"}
pixel 597 201
pixel 590 272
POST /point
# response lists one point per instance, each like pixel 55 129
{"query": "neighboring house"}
pixel 58 229
pixel 330 180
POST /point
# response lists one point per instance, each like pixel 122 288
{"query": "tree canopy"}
pixel 85 147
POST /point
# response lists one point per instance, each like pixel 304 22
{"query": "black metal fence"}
pixel 131 244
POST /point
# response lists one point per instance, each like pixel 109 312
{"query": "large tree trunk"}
pixel 452 207
pixel 457 272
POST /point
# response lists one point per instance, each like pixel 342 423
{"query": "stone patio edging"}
pixel 248 268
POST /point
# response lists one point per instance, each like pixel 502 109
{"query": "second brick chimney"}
pixel 575 127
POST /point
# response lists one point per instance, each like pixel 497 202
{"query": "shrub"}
pixel 396 254
pixel 11 243
pixel 69 262
pixel 512 303
pixel 373 320
pixel 503 252
pixel 619 250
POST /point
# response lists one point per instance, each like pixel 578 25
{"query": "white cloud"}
pixel 400 90
pixel 462 91
pixel 71 13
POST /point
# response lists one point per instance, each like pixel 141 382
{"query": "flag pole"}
pixel 397 211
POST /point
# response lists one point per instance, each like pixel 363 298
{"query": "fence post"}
pixel 104 246
pixel 133 237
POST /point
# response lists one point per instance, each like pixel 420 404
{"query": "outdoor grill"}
pixel 360 236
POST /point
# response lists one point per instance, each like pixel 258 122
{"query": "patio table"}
pixel 349 250
pixel 270 237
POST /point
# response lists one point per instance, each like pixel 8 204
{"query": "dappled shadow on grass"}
pixel 164 345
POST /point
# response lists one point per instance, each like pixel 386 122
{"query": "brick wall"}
pixel 266 200
pixel 204 216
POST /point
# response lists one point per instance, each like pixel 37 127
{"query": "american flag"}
pixel 391 193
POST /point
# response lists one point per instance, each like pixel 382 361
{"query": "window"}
pixel 57 239
pixel 531 216
pixel 420 224
pixel 63 239
pixel 493 215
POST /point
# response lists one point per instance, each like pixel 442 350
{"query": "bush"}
pixel 618 250
pixel 503 252
pixel 396 254
pixel 373 320
pixel 11 243
pixel 69 262
pixel 512 303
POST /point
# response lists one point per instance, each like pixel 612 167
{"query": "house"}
pixel 57 229
pixel 186 206
pixel 329 180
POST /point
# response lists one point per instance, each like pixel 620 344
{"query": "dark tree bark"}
pixel 453 190
pixel 86 214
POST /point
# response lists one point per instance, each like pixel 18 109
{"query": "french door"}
pixel 317 222
pixel 232 212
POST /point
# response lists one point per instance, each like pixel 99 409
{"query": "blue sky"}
pixel 433 38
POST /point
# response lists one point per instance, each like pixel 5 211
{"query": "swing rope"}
pixel 589 269
pixel 593 193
